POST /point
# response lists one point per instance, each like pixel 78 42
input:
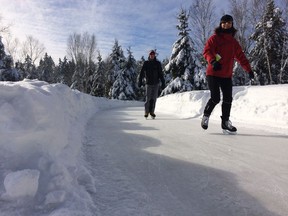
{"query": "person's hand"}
pixel 216 65
pixel 251 75
pixel 139 84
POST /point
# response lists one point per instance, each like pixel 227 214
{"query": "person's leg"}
pixel 154 95
pixel 149 97
pixel 226 88
pixel 213 101
pixel 214 95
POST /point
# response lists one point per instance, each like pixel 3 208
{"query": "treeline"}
pixel 262 32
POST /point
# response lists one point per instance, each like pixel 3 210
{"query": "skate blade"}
pixel 229 132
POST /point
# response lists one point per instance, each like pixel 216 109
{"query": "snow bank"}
pixel 263 107
pixel 41 129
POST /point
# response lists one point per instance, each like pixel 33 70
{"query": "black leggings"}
pixel 216 84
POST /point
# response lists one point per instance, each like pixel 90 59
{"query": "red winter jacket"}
pixel 229 49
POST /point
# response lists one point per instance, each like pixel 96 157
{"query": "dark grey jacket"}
pixel 152 71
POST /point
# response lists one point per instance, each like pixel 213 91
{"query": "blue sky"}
pixel 142 25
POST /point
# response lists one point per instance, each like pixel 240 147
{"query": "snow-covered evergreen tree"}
pixel 88 77
pixel 270 49
pixel 115 64
pixel 65 71
pixel 29 69
pixel 98 79
pixel 124 87
pixel 46 69
pixel 7 72
pixel 77 78
pixel 82 77
pixel 141 93
pixel 184 65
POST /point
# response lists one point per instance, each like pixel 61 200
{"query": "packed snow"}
pixel 63 152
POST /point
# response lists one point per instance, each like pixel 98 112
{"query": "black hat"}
pixel 152 52
pixel 226 18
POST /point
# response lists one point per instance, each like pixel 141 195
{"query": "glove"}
pixel 251 75
pixel 216 65
pixel 139 84
pixel 163 86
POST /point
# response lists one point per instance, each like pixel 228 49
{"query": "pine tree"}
pixel 98 79
pixel 78 75
pixel 270 47
pixel 88 77
pixel 124 87
pixel 46 69
pixel 115 64
pixel 82 76
pixel 29 69
pixel 7 72
pixel 183 65
pixel 141 92
pixel 65 71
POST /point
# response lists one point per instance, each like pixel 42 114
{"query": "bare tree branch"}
pixel 4 28
pixel 81 48
pixel 202 21
pixel 33 48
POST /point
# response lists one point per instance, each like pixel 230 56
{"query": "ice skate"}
pixel 228 128
pixel 204 122
pixel 153 115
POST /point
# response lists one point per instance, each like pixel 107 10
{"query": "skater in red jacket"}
pixel 220 51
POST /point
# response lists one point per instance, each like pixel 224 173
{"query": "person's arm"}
pixel 243 61
pixel 141 75
pixel 161 76
pixel 241 58
pixel 209 51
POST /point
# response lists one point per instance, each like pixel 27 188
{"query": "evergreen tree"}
pixel 46 69
pixel 2 50
pixel 141 91
pixel 270 49
pixel 183 65
pixel 115 65
pixel 88 77
pixel 7 72
pixel 98 79
pixel 65 71
pixel 124 87
pixel 29 69
pixel 78 75
pixel 82 77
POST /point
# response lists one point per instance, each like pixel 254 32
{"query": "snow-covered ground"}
pixel 67 153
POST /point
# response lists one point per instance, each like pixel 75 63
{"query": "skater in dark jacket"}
pixel 152 71
pixel 220 51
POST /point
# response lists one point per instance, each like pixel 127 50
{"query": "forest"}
pixel 261 30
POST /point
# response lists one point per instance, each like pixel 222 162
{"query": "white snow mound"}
pixel 22 183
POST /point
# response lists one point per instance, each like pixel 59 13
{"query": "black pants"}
pixel 151 97
pixel 216 84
